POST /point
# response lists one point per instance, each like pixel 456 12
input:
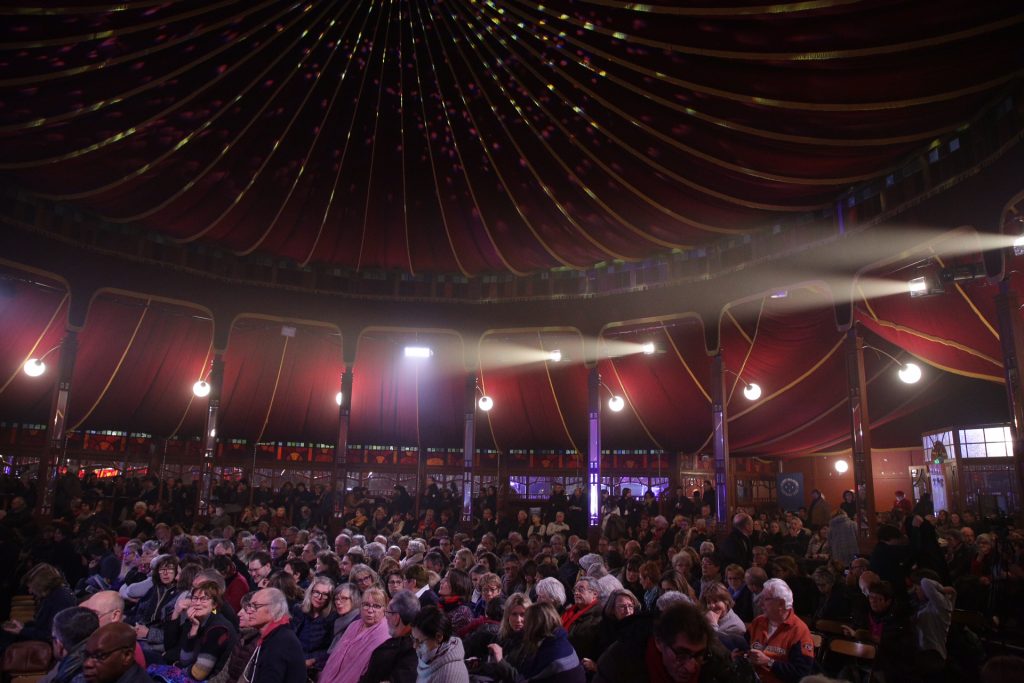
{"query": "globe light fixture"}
pixel 616 404
pixel 910 373
pixel 34 367
pixel 201 388
pixel 842 466
pixel 485 403
pixel 752 391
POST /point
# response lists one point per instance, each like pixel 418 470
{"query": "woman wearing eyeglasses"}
pixel 347 603
pixel 440 654
pixel 208 638
pixel 313 622
pixel 350 657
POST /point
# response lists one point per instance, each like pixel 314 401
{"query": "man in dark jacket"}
pixel 71 629
pixel 682 649
pixel 395 660
pixel 278 657
pixel 737 547
pixel 109 656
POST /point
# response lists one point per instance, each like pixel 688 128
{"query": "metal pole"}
pixel 340 470
pixel 860 434
pixel 469 449
pixel 216 381
pixel 720 438
pixel 56 436
pixel 594 452
pixel 1011 338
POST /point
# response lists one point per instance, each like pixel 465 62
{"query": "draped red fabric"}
pixel 534 397
pixel 471 138
pixel 28 315
pixel 399 401
pixel 277 386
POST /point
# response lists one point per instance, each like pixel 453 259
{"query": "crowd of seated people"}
pixel 285 587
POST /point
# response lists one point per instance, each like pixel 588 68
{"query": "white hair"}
pixel 552 589
pixel 671 598
pixel 778 589
pixel 589 560
pixel 277 604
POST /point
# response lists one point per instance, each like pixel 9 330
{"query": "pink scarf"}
pixel 350 657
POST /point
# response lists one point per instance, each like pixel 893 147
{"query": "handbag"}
pixel 28 656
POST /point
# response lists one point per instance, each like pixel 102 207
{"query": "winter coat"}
pixel 394 661
pixel 444 665
pixel 316 634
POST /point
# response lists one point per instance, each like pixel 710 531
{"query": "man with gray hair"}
pixel 71 628
pixel 395 659
pixel 278 657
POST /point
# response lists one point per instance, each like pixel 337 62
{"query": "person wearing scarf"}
pixel 582 620
pixel 350 657
pixel 278 655
pixel 440 655
pixel 347 601
pixel 456 591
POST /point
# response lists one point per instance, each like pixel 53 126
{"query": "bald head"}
pixel 108 606
pixel 109 653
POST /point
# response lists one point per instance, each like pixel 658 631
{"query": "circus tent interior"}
pixel 590 212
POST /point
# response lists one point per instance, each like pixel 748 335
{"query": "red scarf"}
pixel 273 626
pixel 573 614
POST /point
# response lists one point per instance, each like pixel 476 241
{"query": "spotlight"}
pixel 752 391
pixel 337 398
pixel 616 404
pixel 648 348
pixel 418 352
pixel 1018 246
pixel 485 403
pixel 910 373
pixel 555 356
pixel 927 283
pixel 201 388
pixel 842 466
pixel 34 367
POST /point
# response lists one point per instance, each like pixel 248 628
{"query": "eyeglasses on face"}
pixel 200 597
pixel 99 655
pixel 372 606
pixel 253 606
pixel 320 594
pixel 685 656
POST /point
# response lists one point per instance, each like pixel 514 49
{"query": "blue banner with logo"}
pixel 790 489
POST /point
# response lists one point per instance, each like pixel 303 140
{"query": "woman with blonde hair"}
pixel 548 654
pixel 313 622
pixel 349 659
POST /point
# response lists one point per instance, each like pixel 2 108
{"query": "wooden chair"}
pixel 834 628
pixel 862 652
